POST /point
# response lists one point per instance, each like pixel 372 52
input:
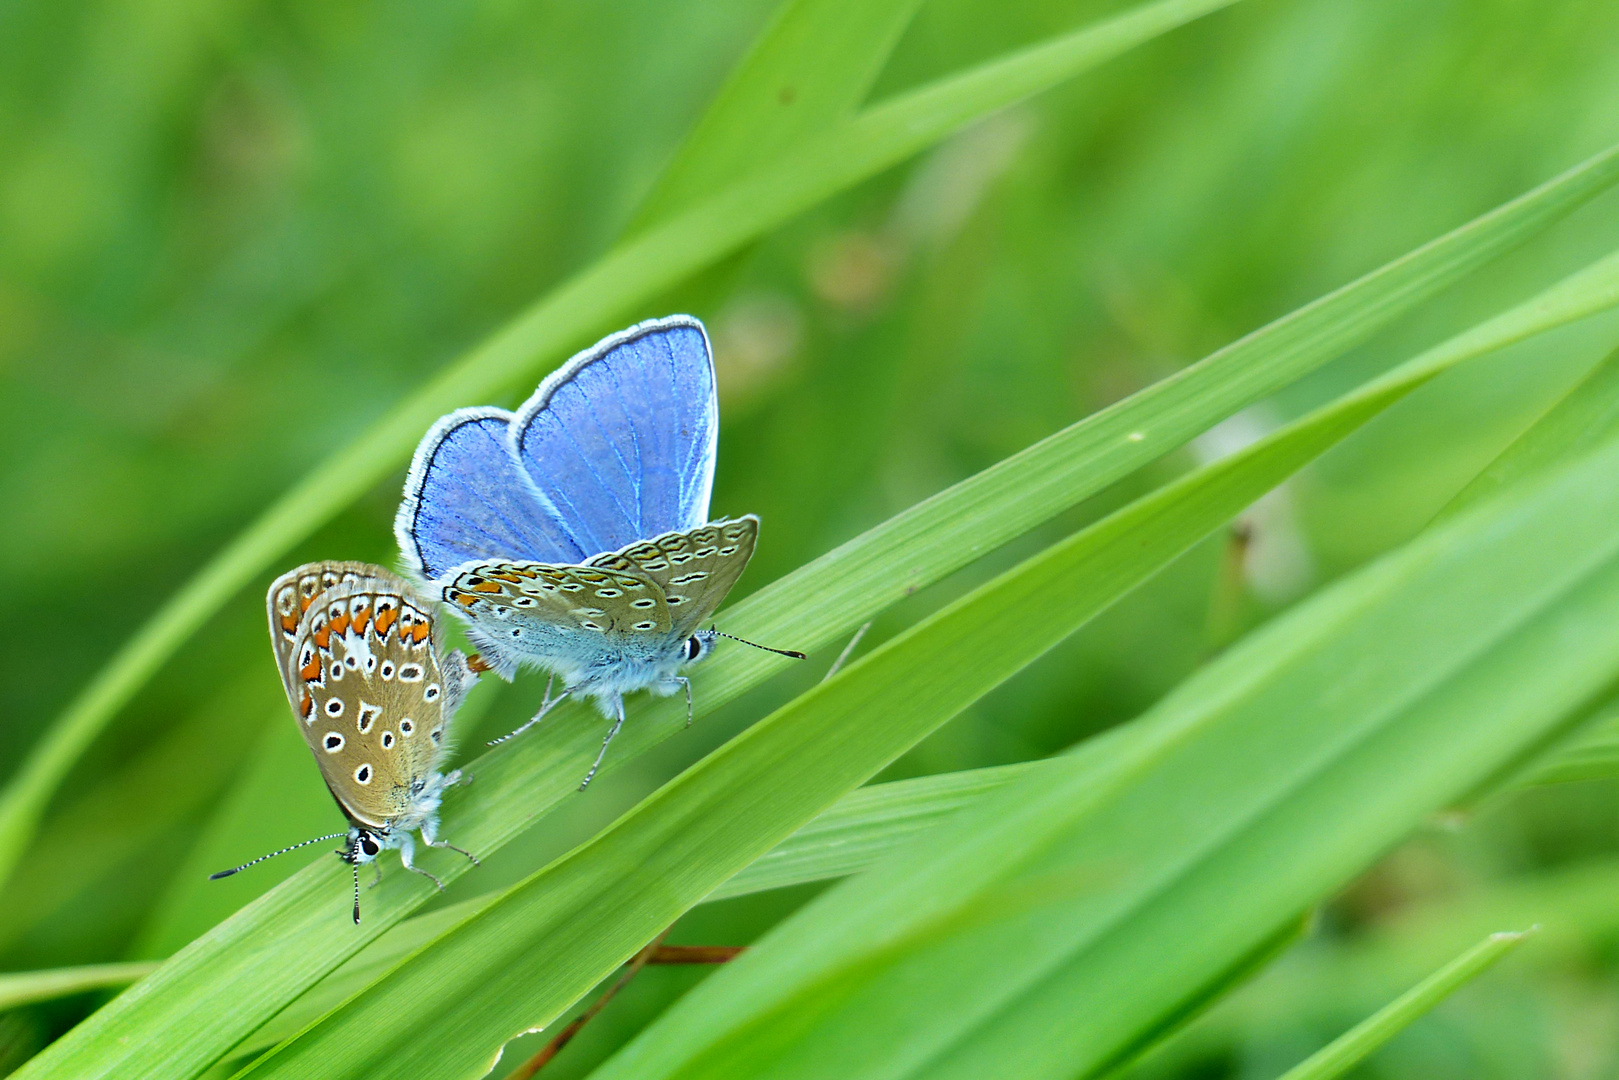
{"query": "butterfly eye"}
pixel 694 648
pixel 369 845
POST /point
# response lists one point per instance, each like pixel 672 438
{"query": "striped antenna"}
pixel 794 653
pixel 273 854
pixel 354 864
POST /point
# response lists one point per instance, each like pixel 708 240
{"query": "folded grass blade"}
pixel 1350 1048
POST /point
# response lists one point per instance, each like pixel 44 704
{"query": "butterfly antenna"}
pixel 794 653
pixel 354 864
pixel 273 854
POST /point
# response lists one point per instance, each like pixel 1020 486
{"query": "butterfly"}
pixel 573 534
pixel 373 694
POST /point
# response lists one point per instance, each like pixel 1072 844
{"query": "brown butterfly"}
pixel 373 694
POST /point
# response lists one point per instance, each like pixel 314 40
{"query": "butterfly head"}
pixel 698 646
pixel 364 845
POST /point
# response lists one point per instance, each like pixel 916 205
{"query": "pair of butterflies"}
pixel 571 535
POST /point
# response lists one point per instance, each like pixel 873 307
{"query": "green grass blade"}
pixel 864 825
pixel 1082 910
pixel 1591 753
pixel 1350 1048
pixel 811 68
pixel 844 839
pixel 607 291
pixel 28 987
pixel 310 936
pixel 861 719
pixel 1585 417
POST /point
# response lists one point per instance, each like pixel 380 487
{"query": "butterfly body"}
pixel 624 621
pixel 373 695
pixel 572 535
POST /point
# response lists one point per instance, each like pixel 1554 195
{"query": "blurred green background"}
pixel 233 234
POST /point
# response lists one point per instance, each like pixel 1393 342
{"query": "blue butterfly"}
pixel 573 535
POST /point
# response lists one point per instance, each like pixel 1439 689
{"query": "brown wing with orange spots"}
pixel 374 693
pixel 290 596
pixel 602 601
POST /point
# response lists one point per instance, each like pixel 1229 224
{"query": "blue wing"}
pixel 620 441
pixel 467 498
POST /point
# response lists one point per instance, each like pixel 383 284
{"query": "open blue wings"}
pixel 615 446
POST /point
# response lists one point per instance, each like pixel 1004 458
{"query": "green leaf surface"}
pixel 1592 753
pixel 522 959
pixel 28 987
pixel 864 825
pixel 1350 1048
pixel 1585 417
pixel 999 944
pixel 811 68
pixel 632 273
pixel 1328 978
pixel 844 839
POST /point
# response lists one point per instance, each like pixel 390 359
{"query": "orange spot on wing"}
pixel 340 623
pixel 418 633
pixel 486 587
pixel 385 619
pixel 323 636
pixel 289 624
pixel 464 599
pixel 507 575
pixel 311 671
pixel 361 618
pixel 305 706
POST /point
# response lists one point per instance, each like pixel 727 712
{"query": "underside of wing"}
pixel 695 568
pixel 374 695
pixel 556 616
pixel 466 498
pixel 621 439
pixel 291 595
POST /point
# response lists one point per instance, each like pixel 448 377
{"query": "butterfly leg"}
pixel 618 705
pixel 407 848
pixel 686 683
pixel 430 838
pixel 545 706
pixel 376 880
